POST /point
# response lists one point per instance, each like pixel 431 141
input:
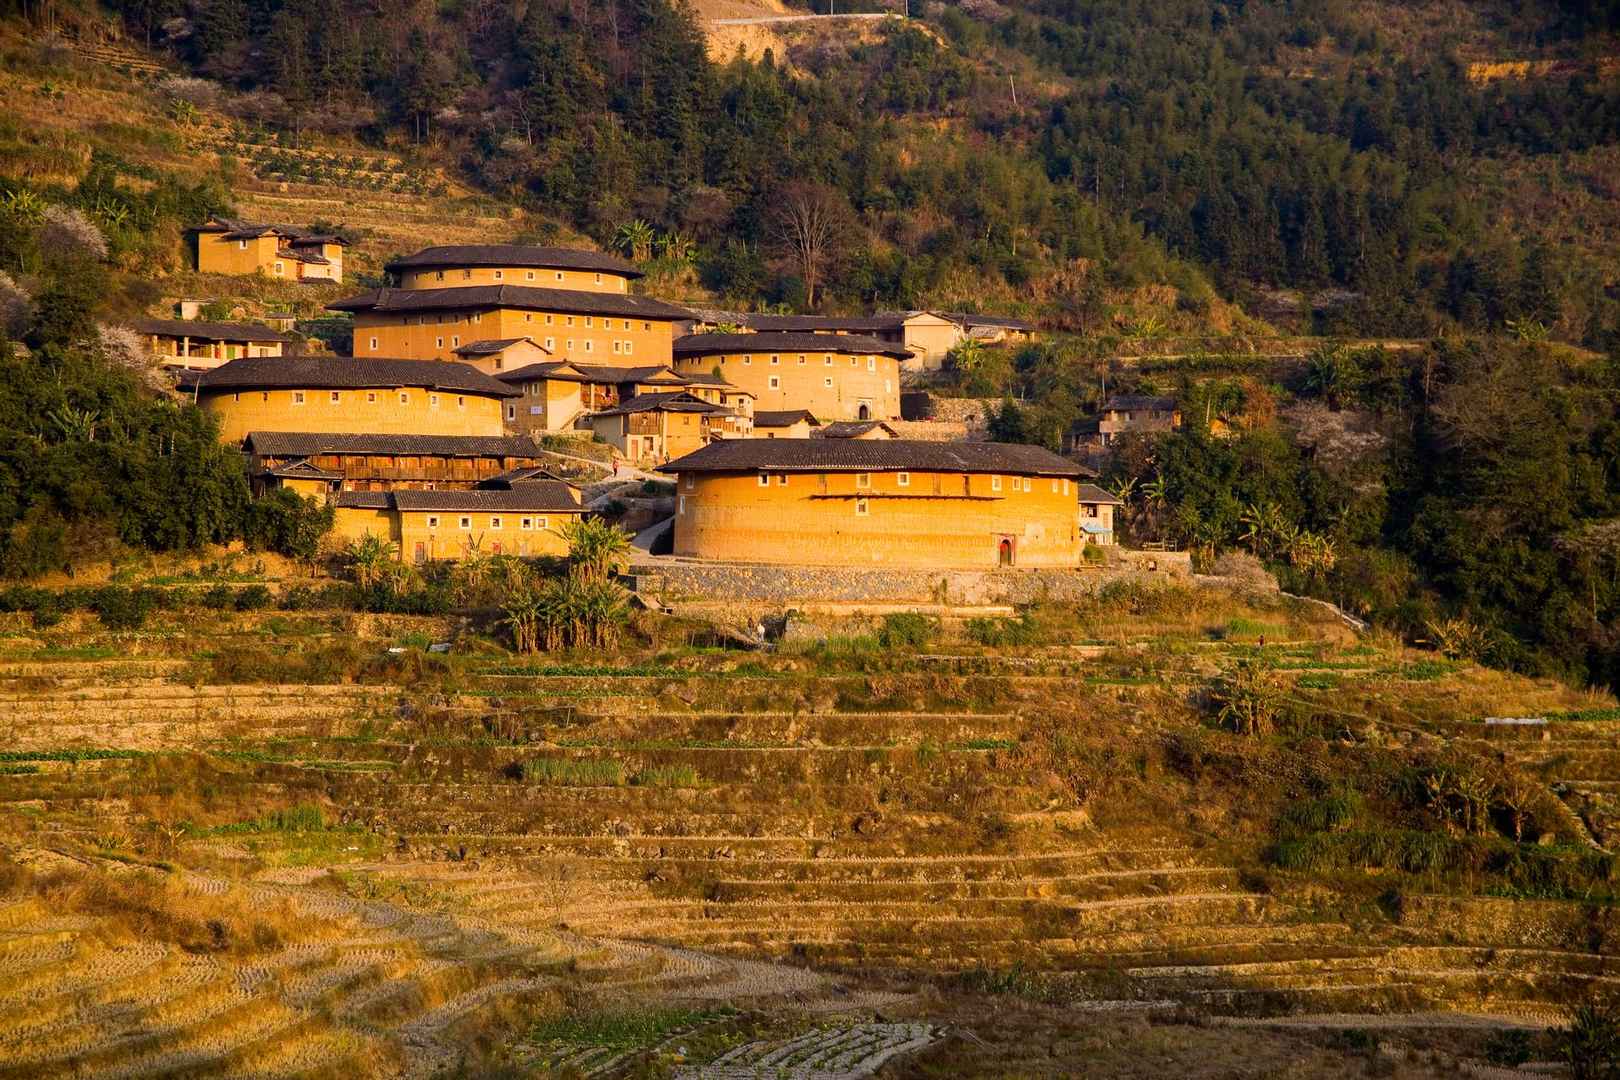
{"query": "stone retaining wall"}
pixel 759 583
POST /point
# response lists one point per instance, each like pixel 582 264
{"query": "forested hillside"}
pixel 1334 146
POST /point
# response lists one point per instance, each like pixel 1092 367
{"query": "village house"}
pixel 1097 515
pixel 785 424
pixel 491 355
pixel 1120 414
pixel 196 345
pixel 897 502
pixel 322 463
pixel 557 397
pixel 277 251
pixel 347 395
pixel 835 376
pixel 654 427
pixel 523 518
pixel 926 336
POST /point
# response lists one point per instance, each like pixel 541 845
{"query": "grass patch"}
pixel 301 818
pixel 984 744
pixel 621 1031
pixel 18 770
pixel 86 753
pixel 573 772
pixel 666 776
pixel 1252 628
pixel 1610 712
pixel 1317 681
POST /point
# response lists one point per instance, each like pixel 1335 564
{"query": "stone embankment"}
pixel 677 579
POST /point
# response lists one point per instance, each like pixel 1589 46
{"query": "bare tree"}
pixel 810 225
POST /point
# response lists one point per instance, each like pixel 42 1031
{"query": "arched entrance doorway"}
pixel 864 412
pixel 1004 552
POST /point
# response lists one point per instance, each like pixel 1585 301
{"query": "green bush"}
pixel 253 598
pixel 907 629
pixel 121 608
pixel 666 776
pixel 1024 630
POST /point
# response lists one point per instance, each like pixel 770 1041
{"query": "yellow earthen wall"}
pixel 812 518
pixel 546 405
pixel 376 412
pixel 874 380
pixel 216 255
pixel 595 339
pixel 449 539
pixel 532 276
pixel 350 523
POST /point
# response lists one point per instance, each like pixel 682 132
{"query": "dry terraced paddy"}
pixel 800 862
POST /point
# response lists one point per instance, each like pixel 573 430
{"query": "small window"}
pixel 827 382
pixel 461 402
pixel 466 523
pixel 775 360
pixel 497 275
pixel 827 360
pixel 1054 487
pixel 599 279
pixel 764 480
pixel 404 398
pixel 559 275
pixel 371 397
pixel 570 320
pixel 615 348
pixel 511 412
pixel 570 344
pixel 902 480
pixel 646 326
pixel 241 245
pixel 748 361
pixel 781 479
pixel 337 397
pixel 871 363
pixel 526 524
pixel 1029 485
pixel 433 401
pixel 680 505
pixel 494 523
pixel 776 382
pixel 587 344
pixel 540 523
pixel 466 275
pixel 689 481
pixel 373 344
pixel 528 275
pixel 439 276
pixel 588 321
pixel 801 360
pixel 438 343
pixel 627 349
pixel 528 317
pixel 278 269
pixel 860 507
pixel 863 480
pixel 455 341
pixel 433 521
pixel 1065 487
pixel 995 483
pixel 298 397
pixel 551 342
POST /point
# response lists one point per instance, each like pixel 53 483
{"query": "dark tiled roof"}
pixel 571 371
pixel 303 470
pixel 521 297
pixel 853 429
pixel 242 230
pixel 544 495
pixel 491 346
pixel 1132 402
pixel 675 401
pixel 364 500
pixel 348 372
pixel 314 258
pixel 872 455
pixel 1091 493
pixel 549 258
pixel 859 324
pixel 783 418
pixel 717 344
pixel 217 331
pixel 989 320
pixel 524 475
pixel 283 444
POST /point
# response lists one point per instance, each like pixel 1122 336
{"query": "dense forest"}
pixel 1178 142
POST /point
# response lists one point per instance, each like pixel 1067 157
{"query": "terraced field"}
pixel 408 877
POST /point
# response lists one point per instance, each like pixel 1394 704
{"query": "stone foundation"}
pixel 677 579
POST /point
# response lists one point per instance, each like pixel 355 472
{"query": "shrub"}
pixel 1590 1045
pixel 1508 1049
pixel 1247 698
pixel 1024 630
pixel 907 629
pixel 121 608
pixel 218 598
pixel 666 776
pixel 253 598
pixel 287 523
